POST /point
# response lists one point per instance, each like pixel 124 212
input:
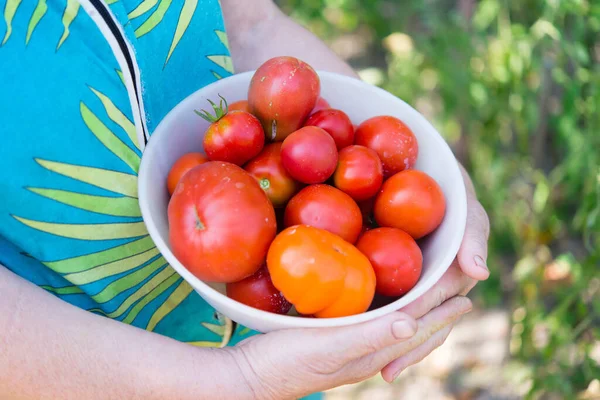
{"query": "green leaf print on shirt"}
pixel 136 266
pixel 152 18
pixel 69 14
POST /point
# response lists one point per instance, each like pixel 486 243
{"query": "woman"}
pixel 84 83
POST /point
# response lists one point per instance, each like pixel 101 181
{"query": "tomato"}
pixel 309 155
pixel 258 291
pixel 181 167
pixel 221 222
pixel 336 123
pixel 310 267
pixel 322 104
pixel 282 93
pixel 233 136
pixel 394 142
pixel 359 172
pixel 395 257
pixel 411 201
pixel 325 207
pixel 241 105
pixel 268 170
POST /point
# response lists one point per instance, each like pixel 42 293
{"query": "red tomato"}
pixel 181 167
pixel 325 207
pixel 221 222
pixel 233 136
pixel 322 104
pixel 320 273
pixel 241 105
pixel 268 170
pixel 359 172
pixel 258 291
pixel 282 93
pixel 394 142
pixel 411 201
pixel 336 123
pixel 309 155
pixel 395 257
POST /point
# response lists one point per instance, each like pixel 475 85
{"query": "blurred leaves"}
pixel 514 86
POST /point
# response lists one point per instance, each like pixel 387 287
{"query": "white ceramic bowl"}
pixel 181 132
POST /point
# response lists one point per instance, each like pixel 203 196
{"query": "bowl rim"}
pixel 290 321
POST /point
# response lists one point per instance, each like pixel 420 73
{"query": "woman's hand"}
pixel 293 363
pixel 468 268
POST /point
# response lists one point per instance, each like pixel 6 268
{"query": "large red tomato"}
pixel 336 123
pixel 268 170
pixel 394 142
pixel 282 93
pixel 181 167
pixel 221 222
pixel 320 273
pixel 395 257
pixel 258 291
pixel 411 201
pixel 325 207
pixel 359 172
pixel 233 136
pixel 309 155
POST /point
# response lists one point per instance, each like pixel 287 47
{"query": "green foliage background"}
pixel 514 86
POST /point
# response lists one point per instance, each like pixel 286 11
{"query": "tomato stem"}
pixel 265 183
pixel 199 225
pixel 220 110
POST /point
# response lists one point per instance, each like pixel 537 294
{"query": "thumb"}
pixel 472 254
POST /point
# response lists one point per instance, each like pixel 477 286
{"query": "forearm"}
pixel 50 349
pixel 258 31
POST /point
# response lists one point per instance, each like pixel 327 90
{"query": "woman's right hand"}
pixel 289 364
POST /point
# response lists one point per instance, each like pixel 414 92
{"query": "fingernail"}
pixel 404 329
pixel 481 264
pixel 396 375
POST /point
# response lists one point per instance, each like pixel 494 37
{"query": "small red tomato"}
pixel 258 291
pixel 336 123
pixel 394 142
pixel 359 172
pixel 241 105
pixel 411 201
pixel 309 155
pixel 233 136
pixel 325 207
pixel 322 104
pixel 395 257
pixel 272 176
pixel 181 167
pixel 282 93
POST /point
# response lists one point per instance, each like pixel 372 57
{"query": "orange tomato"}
pixel 320 273
pixel 181 167
pixel 411 201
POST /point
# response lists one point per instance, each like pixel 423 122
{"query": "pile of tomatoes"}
pixel 293 205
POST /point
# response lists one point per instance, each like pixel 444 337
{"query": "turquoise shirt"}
pixel 72 139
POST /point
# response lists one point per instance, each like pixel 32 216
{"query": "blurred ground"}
pixel 471 365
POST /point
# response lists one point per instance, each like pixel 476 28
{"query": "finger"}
pixel 391 371
pixel 472 254
pixel 436 320
pixel 356 341
pixel 452 283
